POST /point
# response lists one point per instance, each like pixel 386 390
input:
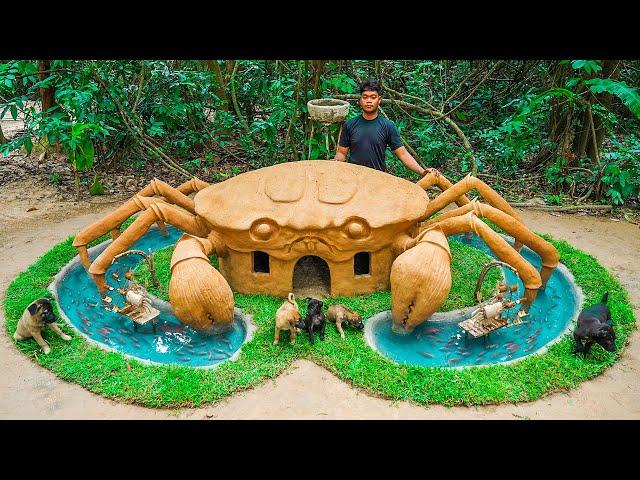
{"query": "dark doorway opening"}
pixel 362 263
pixel 260 262
pixel 311 278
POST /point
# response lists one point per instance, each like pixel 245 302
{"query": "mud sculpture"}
pixel 367 229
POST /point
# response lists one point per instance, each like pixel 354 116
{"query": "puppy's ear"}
pixel 33 308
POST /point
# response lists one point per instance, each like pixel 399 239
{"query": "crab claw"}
pixel 420 281
pixel 200 296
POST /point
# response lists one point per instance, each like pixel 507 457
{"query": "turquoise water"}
pixel 442 343
pixel 173 342
pixel 434 343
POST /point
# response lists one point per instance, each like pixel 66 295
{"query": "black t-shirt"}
pixel 368 139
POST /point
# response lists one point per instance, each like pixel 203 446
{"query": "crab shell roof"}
pixel 314 194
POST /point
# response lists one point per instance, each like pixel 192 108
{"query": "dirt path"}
pixel 306 391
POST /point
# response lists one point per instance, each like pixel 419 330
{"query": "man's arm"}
pixel 407 159
pixel 341 154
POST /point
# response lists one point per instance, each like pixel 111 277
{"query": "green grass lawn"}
pixel 114 376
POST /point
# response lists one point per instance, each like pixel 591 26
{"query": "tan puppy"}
pixel 339 313
pixel 288 318
pixel 35 317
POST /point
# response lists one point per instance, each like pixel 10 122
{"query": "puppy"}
pixel 35 317
pixel 339 313
pixel 288 318
pixel 315 318
pixel 594 326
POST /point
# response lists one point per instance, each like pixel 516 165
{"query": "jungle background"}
pixel 559 134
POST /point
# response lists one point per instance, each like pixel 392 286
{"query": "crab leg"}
pixel 199 294
pixel 111 223
pixel 421 276
pixel 457 191
pixel 498 245
pixel 443 183
pixel 155 210
pixel 547 252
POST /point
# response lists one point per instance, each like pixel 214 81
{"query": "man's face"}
pixel 369 101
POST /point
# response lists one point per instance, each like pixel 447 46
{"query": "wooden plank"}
pixel 478 330
pixel 138 315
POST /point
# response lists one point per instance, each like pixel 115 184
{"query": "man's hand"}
pixel 341 154
pixel 431 170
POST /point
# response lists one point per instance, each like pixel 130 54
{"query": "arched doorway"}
pixel 311 278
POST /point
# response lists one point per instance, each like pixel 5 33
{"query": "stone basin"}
pixel 328 110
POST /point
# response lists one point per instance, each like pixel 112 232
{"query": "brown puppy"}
pixel 35 317
pixel 288 318
pixel 339 313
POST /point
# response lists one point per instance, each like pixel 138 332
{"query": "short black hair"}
pixel 371 84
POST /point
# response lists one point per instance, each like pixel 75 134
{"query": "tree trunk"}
pixel 290 132
pixel 561 131
pixel 221 88
pixel 610 69
pixel 583 136
pixel 583 128
pixel 584 144
pixel 3 139
pixel 305 74
pixel 318 68
pixel 46 94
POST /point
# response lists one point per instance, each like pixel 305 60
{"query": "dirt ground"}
pixel 306 391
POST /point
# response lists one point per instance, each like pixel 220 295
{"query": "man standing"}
pixel 367 136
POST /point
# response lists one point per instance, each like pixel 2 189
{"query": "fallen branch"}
pixel 559 208
pixel 519 178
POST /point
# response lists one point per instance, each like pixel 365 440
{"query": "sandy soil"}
pixel 306 391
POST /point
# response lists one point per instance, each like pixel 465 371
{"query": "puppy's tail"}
pixel 292 298
pixel 605 297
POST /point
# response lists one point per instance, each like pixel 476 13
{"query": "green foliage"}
pixel 521 130
pixel 556 172
pixel 621 172
pixel 553 199
pixel 103 109
pixel 96 187
pixel 341 82
pixel 432 147
pixel 55 178
pixel 589 66
pixel 80 148
pixel 620 89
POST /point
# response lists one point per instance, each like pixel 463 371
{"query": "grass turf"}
pixel 114 376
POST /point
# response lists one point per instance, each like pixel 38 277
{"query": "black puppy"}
pixel 594 325
pixel 315 319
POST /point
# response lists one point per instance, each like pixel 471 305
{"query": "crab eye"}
pixel 263 229
pixel 357 228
